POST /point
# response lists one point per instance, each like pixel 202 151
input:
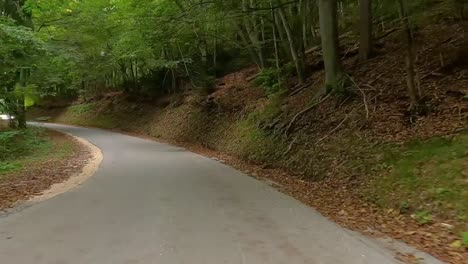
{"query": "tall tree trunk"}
pixel 252 32
pixel 459 6
pixel 275 42
pixel 244 37
pixel 413 90
pixel 21 107
pixel 299 64
pixel 305 23
pixel 365 43
pixel 282 39
pixel 330 46
pixel 215 54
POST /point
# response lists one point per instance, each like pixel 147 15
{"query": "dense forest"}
pixel 70 48
pixel 369 97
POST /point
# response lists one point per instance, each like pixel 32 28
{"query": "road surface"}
pixel 155 203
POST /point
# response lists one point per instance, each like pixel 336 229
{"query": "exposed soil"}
pixel 39 176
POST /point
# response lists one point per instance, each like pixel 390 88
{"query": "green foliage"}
pixel 8 167
pixel 423 217
pixel 404 207
pixel 270 79
pixel 435 168
pixel 15 144
pixel 464 236
pixel 256 144
pixel 82 108
pixel 18 142
pixel 259 141
pixel 149 48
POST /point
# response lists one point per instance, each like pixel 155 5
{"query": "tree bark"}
pixel 413 91
pixel 365 43
pixel 296 59
pixel 253 34
pixel 244 37
pixel 21 108
pixel 330 46
pixel 275 42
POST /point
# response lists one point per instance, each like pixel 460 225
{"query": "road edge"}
pixel 398 249
pixel 75 180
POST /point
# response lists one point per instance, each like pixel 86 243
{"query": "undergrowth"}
pixel 18 144
pixel 256 139
pixel 425 178
pixel 82 108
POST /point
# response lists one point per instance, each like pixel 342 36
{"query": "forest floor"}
pixel 41 159
pixel 360 159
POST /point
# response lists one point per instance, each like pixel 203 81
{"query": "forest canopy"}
pixel 83 47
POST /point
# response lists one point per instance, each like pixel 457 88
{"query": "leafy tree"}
pixel 149 48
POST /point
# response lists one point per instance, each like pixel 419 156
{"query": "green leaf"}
pixel 465 238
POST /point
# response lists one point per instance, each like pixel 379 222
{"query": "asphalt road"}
pixel 155 203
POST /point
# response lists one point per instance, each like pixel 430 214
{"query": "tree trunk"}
pixel 251 51
pixel 253 34
pixel 275 42
pixel 459 6
pixel 365 45
pixel 296 59
pixel 329 34
pixel 21 108
pixel 413 91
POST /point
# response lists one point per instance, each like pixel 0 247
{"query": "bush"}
pixel 270 79
pixel 16 143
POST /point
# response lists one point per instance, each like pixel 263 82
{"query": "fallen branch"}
pixel 251 78
pixel 298 90
pixel 387 33
pixel 376 79
pixel 337 127
pixel 303 112
pixel 290 146
pixel 344 120
pixel 435 73
pixel 364 97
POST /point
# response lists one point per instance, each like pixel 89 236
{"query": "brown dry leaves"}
pixel 39 176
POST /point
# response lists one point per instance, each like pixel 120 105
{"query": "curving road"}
pixel 154 203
